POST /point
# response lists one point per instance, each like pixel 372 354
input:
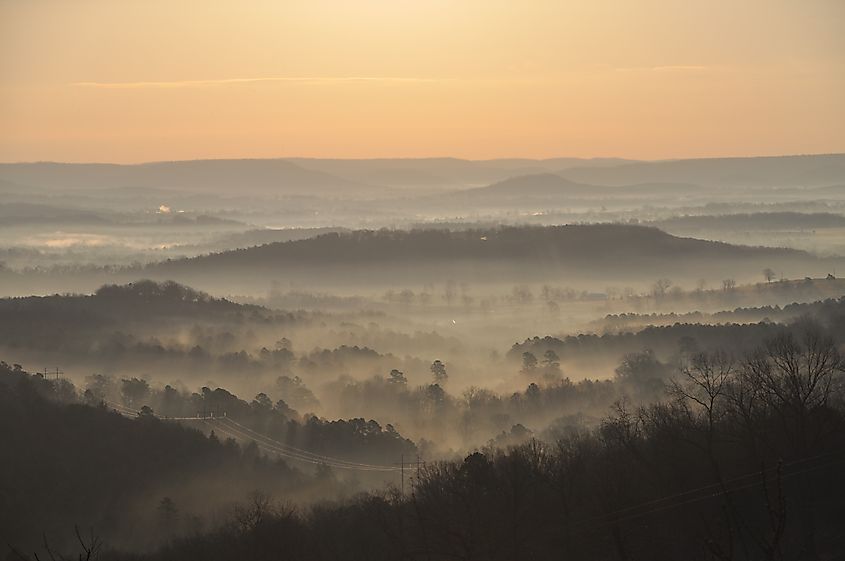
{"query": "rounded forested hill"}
pixel 578 255
pixel 128 301
pixel 118 308
pixel 587 242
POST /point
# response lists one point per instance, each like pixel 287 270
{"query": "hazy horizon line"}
pixel 375 158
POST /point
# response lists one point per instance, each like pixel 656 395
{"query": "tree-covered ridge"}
pixel 131 318
pixel 753 221
pixel 665 340
pixel 674 332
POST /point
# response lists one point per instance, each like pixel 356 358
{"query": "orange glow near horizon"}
pixel 132 81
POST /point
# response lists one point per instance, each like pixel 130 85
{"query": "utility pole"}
pixel 401 465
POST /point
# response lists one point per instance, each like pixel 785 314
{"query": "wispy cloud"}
pixel 667 68
pixel 679 68
pixel 272 79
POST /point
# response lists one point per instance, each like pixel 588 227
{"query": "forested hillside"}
pixel 743 457
pixel 89 465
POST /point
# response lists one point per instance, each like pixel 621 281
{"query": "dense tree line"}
pixel 753 221
pixel 351 439
pixel 727 295
pixel 830 312
pixel 665 340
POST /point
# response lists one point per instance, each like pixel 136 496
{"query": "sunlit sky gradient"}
pixel 140 80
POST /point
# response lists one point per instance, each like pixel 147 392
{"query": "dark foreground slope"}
pixel 572 254
pixel 67 464
pixel 69 460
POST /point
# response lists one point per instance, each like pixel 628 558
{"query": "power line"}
pixel 717 485
pixel 701 498
pixel 305 452
pixel 122 409
pixel 291 452
pixel 262 446
pixel 338 462
pixel 312 459
pixel 242 432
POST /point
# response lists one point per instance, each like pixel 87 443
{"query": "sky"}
pixel 144 80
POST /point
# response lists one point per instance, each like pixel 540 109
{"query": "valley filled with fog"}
pixel 384 340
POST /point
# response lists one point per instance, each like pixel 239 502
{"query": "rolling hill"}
pixel 574 254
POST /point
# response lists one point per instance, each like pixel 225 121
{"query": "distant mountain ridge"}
pixel 550 185
pixel 281 176
pixel 339 178
pixel 259 177
pixel 766 171
pixel 445 172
